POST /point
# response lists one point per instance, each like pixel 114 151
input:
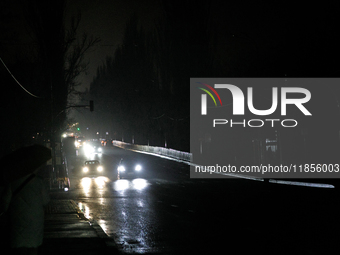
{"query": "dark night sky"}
pixel 290 37
pixel 290 40
pixel 106 19
pixel 246 39
pixel 285 39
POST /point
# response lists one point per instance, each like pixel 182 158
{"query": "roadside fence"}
pixel 181 155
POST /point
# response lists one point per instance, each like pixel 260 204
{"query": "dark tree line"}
pixel 142 92
pixel 43 54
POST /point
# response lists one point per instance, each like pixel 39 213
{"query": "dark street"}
pixel 166 212
pixel 224 88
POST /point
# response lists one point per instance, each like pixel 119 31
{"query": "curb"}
pixel 94 224
pixel 101 234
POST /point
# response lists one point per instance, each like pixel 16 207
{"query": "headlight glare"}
pixel 138 167
pixel 88 149
pixel 85 169
pixel 121 168
pixel 99 168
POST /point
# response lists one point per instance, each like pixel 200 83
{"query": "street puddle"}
pixel 94 184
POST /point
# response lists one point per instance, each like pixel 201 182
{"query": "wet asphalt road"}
pixel 166 212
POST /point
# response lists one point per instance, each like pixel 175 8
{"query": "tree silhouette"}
pixel 144 88
pixel 46 60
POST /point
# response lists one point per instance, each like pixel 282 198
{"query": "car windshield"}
pixel 91 163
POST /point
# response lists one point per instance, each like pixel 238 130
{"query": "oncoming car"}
pixel 129 167
pixel 92 149
pixel 92 168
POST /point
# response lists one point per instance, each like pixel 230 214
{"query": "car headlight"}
pixel 121 168
pixel 85 169
pixel 138 167
pixel 88 149
pixel 99 168
pixel 99 149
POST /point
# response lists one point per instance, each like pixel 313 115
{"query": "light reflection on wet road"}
pixel 121 208
pixel 166 212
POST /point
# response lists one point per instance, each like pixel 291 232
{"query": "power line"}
pixel 31 94
pixel 158 117
pixel 164 115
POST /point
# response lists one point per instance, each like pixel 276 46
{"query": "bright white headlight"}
pixel 138 167
pixel 99 149
pixel 121 168
pixel 85 169
pixel 99 168
pixel 88 149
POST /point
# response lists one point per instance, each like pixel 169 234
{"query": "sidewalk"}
pixel 67 231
